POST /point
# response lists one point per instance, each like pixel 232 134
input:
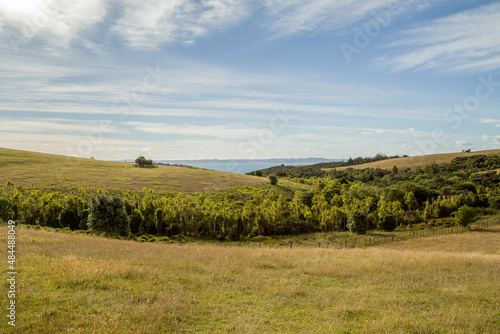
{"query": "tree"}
pixel 464 216
pixel 107 214
pixel 136 219
pixel 395 170
pixel 6 212
pixel 143 162
pixel 387 222
pixel 273 179
pixel 357 222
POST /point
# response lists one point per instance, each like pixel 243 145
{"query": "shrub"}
pixel 136 220
pixel 464 215
pixel 273 179
pixel 258 173
pixel 107 215
pixel 387 222
pixel 357 222
pixel 6 210
pixel 494 202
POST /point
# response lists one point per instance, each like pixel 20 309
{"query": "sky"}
pixel 234 79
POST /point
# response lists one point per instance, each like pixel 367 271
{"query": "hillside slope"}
pixel 29 168
pixel 421 160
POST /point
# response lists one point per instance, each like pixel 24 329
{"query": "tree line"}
pixel 333 203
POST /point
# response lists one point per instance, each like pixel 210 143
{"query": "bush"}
pixel 494 202
pixel 273 179
pixel 6 210
pixel 357 222
pixel 387 222
pixel 107 215
pixel 136 220
pixel 464 215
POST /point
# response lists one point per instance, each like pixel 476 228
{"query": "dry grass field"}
pixel 83 284
pixel 27 168
pixel 482 241
pixel 419 160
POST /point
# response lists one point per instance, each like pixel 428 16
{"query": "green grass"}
pixel 84 284
pixel 28 168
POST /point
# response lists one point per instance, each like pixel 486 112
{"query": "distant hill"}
pixel 417 161
pixel 379 161
pixel 26 169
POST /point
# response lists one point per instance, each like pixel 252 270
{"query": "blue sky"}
pixel 231 79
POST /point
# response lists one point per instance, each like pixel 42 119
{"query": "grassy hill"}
pixel 82 284
pixel 28 168
pixel 419 160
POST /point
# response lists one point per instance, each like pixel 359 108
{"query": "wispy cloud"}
pixel 48 125
pixel 148 24
pixel 213 131
pixel 490 120
pixel 466 41
pixel 288 18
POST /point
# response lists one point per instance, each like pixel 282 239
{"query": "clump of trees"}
pixel 107 215
pixel 465 215
pixel 6 210
pixel 143 162
pixel 357 222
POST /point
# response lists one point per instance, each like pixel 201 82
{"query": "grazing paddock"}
pixel 83 284
pixel 31 169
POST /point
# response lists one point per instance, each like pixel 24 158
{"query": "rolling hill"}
pixel 420 160
pixel 29 168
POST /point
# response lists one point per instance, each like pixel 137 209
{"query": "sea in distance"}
pixel 243 166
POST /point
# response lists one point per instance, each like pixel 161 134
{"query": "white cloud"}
pixel 462 143
pixel 215 131
pixel 490 120
pixel 492 139
pixel 54 125
pixel 466 41
pixel 148 24
pixel 288 18
pixel 57 22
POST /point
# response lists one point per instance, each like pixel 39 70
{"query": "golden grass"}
pixel 27 168
pixel 417 161
pixel 481 241
pixel 82 284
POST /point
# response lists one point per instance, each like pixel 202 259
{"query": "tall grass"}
pixel 84 284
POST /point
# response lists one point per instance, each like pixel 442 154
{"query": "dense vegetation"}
pixel 358 200
pixel 317 170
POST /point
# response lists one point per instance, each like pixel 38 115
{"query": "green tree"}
pixel 465 215
pixel 143 162
pixel 387 222
pixel 136 219
pixel 273 179
pixel 107 214
pixel 357 222
pixel 6 212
